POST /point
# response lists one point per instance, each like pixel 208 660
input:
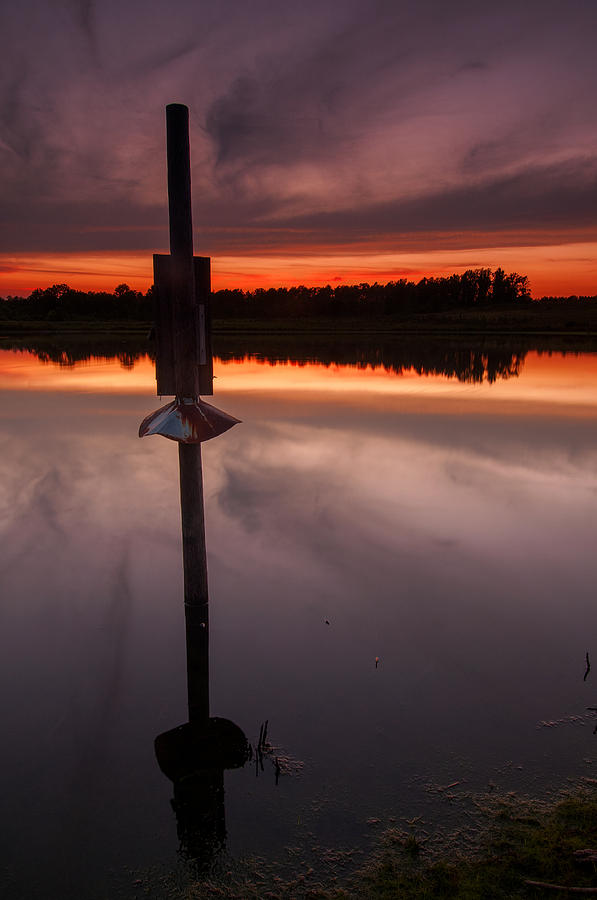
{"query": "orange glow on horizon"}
pixel 20 275
pixel 556 269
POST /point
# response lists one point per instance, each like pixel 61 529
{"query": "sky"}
pixel 331 142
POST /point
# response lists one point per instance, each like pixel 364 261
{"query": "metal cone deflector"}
pixel 187 421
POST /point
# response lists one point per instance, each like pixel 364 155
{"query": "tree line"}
pixel 473 288
pixel 61 303
pixel 480 289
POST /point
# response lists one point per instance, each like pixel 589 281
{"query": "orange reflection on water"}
pixel 568 381
pixel 22 370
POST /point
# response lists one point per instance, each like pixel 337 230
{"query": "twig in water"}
pixel 562 887
pixel 262 747
pixel 588 667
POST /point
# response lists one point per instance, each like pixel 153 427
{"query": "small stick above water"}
pixel 561 887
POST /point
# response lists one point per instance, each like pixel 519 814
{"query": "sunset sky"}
pixel 331 142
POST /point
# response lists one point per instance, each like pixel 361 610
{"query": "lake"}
pixel 402 568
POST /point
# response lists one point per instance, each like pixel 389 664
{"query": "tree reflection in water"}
pixel 470 361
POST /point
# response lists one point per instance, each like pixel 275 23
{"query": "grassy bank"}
pixel 570 317
pixel 520 849
pixel 86 328
pixel 528 850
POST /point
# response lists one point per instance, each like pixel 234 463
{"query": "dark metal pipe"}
pixel 179 180
pixel 189 455
pixel 184 329
pixel 195 754
pixel 196 598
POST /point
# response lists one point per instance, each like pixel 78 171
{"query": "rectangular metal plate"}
pixel 164 313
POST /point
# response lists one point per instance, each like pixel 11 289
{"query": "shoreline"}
pixel 291 328
pixel 298 342
pixel 508 846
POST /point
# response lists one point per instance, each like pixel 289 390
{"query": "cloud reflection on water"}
pixel 453 541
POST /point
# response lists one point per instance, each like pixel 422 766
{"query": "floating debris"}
pixel 443 788
pixel 568 720
pixel 289 766
pixel 588 667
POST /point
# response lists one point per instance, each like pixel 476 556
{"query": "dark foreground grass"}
pixel 523 843
pixel 515 842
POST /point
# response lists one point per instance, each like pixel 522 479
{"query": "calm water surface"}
pixel 443 528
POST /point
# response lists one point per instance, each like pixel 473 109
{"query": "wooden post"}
pixel 186 353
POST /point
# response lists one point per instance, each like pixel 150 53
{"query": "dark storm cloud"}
pixel 552 195
pixel 386 61
pixel 84 15
pixel 290 106
pixel 244 126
